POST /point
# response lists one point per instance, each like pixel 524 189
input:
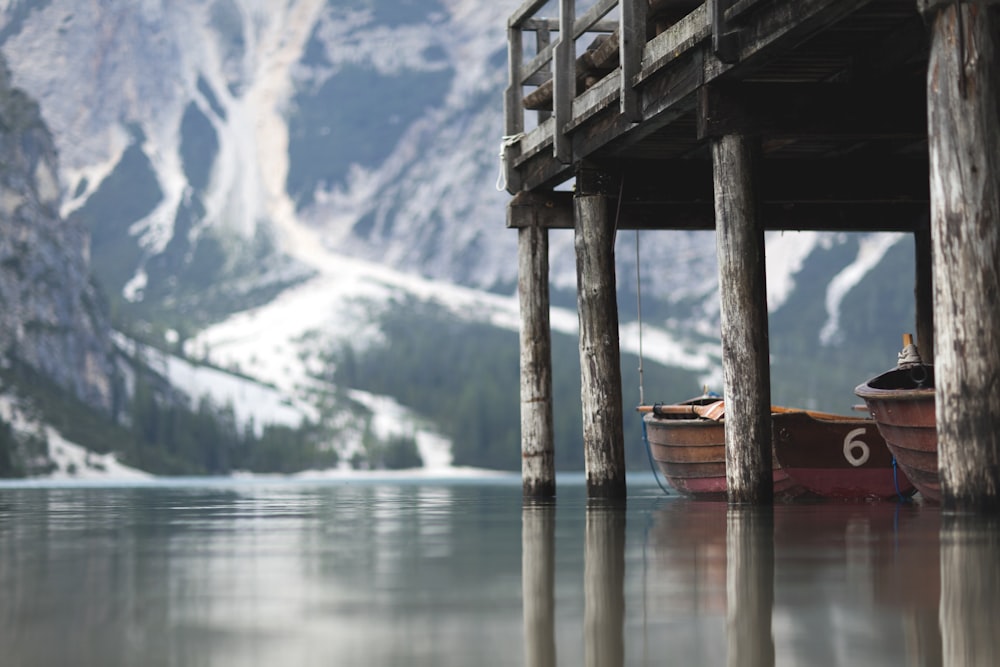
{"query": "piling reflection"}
pixel 749 586
pixel 603 584
pixel 831 584
pixel 538 528
pixel 970 590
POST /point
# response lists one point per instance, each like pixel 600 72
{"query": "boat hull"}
pixel 905 416
pixel 691 454
pixel 845 458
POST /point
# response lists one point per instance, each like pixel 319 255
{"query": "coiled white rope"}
pixel 507 141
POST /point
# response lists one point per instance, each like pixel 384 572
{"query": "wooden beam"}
pixel 528 9
pixel 600 356
pixel 633 39
pixel 963 100
pixel 821 110
pixel 742 290
pixel 564 82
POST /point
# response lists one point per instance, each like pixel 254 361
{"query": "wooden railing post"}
pixel 564 81
pixel 963 100
pixel 632 33
pixel 725 43
pixel 513 105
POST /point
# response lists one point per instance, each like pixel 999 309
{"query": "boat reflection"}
pixel 833 584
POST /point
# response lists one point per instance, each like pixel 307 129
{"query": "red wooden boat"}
pixel 902 402
pixel 837 456
pixel 830 456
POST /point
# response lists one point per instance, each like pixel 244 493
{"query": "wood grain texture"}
pixel 742 288
pixel 964 140
pixel 600 366
pixel 538 477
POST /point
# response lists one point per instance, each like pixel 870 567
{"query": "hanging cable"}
pixel 638 309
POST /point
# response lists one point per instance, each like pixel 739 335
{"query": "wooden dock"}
pixel 749 115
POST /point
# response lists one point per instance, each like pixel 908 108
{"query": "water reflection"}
pixel 828 584
pixel 440 574
pixel 749 586
pixel 538 523
pixel 970 590
pixel 603 584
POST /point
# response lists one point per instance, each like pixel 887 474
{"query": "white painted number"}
pixel 851 444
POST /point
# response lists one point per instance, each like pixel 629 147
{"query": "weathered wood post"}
pixel 745 350
pixel 538 475
pixel 604 585
pixel 963 100
pixel 600 356
pixel 538 566
pixel 749 586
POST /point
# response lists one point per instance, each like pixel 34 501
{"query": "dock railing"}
pixel 555 64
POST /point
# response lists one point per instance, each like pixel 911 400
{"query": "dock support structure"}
pixel 745 349
pixel 538 475
pixel 963 98
pixel 600 356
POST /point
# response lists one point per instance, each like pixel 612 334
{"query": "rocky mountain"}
pixel 52 320
pixel 264 181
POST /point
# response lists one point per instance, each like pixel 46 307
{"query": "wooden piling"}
pixel 963 99
pixel 538 528
pixel 538 475
pixel 600 357
pixel 742 289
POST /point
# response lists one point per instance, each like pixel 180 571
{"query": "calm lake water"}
pixel 229 572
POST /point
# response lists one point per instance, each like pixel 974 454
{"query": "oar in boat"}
pixel 717 410
pixel 714 411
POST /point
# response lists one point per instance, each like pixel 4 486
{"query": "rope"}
pixel 895 481
pixel 638 308
pixel 649 455
pixel 638 300
pixel 506 142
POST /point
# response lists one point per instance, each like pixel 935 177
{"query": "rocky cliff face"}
pixel 51 318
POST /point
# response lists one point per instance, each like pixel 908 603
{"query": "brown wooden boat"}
pixel 690 449
pixel 828 455
pixel 901 401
